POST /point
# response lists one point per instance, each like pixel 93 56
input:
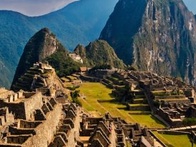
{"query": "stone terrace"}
pixel 31 119
pixel 109 132
pixel 165 97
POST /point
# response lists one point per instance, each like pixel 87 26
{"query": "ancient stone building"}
pixel 32 117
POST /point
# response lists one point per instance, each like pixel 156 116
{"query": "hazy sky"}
pixel 40 7
pixel 33 7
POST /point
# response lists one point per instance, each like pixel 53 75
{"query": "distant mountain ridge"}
pixel 12 39
pixel 79 22
pixel 154 35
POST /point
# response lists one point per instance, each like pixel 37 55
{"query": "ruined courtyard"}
pixel 40 112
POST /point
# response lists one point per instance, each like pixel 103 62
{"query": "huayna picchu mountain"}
pixel 44 47
pixel 99 53
pixel 154 35
pixel 78 22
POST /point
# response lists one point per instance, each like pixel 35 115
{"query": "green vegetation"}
pixel 99 54
pixel 15 32
pixel 62 63
pixel 147 120
pixel 189 121
pixel 74 96
pixel 103 66
pixel 96 97
pixel 174 140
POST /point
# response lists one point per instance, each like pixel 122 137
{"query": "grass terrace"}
pixel 175 140
pixel 96 99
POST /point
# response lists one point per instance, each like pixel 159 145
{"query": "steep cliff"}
pixel 99 53
pixel 154 35
pixel 44 46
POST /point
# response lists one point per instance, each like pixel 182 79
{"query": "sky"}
pixel 41 7
pixel 191 4
pixel 33 7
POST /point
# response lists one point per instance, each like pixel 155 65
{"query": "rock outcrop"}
pixel 154 35
pixel 99 53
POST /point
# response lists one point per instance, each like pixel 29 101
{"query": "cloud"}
pixel 33 7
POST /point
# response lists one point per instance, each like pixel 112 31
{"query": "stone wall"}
pixel 28 94
pixel 28 124
pixel 32 103
pixel 6 117
pixel 17 139
pixel 166 116
pixel 46 130
pixel 19 131
pixel 4 93
pixel 24 107
pixel 15 108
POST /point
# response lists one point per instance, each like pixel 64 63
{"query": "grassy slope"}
pixel 174 140
pixel 96 91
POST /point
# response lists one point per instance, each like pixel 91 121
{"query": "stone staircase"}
pixel 138 103
pixel 25 81
pixel 135 99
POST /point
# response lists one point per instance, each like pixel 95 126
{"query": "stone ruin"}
pixel 108 131
pixel 35 116
pixel 32 116
pixel 41 77
pixel 24 115
pixel 168 98
pixel 33 119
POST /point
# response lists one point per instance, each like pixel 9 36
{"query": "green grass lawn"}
pixel 98 99
pixel 147 120
pixel 93 92
pixel 174 140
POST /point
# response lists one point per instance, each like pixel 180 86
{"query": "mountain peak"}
pixel 122 25
pixel 154 35
pixel 45 30
pixel 42 45
pixel 98 53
